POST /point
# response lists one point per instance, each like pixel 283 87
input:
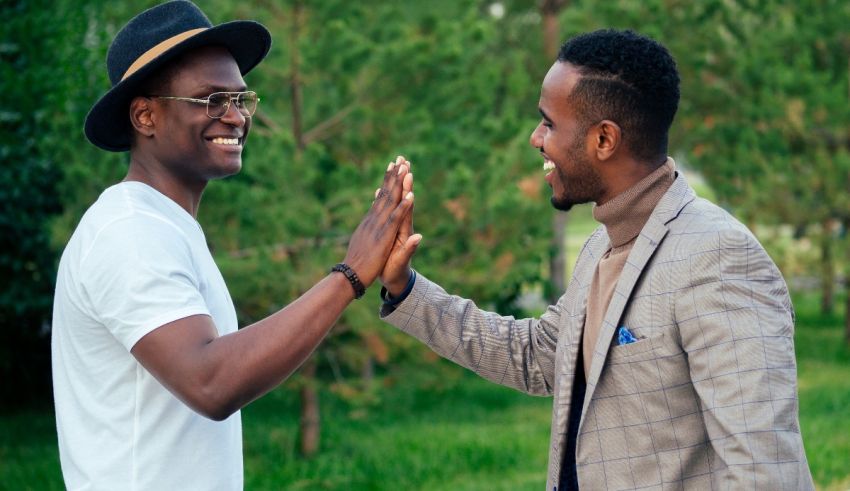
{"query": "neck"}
pixel 147 170
pixel 622 175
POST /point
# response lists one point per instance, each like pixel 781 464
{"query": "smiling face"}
pixel 191 146
pixel 564 142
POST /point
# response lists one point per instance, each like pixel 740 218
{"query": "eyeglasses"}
pixel 218 103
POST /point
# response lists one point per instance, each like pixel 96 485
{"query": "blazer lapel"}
pixel 645 246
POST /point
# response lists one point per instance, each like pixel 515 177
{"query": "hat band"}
pixel 159 49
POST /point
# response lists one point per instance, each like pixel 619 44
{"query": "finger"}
pixel 393 190
pixel 412 243
pixel 409 248
pixel 407 183
pixel 399 214
pixel 406 227
pixel 389 175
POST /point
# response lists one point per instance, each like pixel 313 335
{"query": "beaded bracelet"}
pixel 359 289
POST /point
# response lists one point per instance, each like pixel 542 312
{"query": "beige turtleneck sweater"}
pixel 623 217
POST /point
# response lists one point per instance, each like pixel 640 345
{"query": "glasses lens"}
pixel 218 104
pixel 247 103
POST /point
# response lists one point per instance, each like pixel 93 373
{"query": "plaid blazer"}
pixel 707 396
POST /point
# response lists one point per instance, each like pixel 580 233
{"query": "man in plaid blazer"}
pixel 670 356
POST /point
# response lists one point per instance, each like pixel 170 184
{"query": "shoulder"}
pixel 710 242
pixel 703 222
pixel 128 216
pixel 594 246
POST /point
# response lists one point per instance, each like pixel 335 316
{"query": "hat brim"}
pixel 108 122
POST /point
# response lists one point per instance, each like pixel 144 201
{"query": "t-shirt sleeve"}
pixel 138 275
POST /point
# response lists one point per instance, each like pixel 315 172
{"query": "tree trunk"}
pixel 827 264
pixel 368 370
pixel 847 273
pixel 310 422
pixel 558 259
pixel 295 79
pixel 847 314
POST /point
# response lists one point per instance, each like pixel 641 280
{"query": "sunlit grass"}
pixel 823 361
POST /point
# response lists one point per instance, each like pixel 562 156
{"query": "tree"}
pixel 37 124
pixel 773 140
pixel 317 152
pixel 764 107
pixel 557 263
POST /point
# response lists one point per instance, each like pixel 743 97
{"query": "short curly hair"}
pixel 629 79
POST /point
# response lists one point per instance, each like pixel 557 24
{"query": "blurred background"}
pixel 763 129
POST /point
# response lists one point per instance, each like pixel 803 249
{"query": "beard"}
pixel 561 203
pixel 584 186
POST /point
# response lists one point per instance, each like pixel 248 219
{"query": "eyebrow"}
pixel 218 88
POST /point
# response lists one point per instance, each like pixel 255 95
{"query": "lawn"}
pixel 467 435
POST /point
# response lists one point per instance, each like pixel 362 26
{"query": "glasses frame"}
pixel 232 97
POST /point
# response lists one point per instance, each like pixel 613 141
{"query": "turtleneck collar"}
pixel 626 214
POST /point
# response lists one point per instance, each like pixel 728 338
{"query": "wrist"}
pixel 397 286
pixel 357 285
pixel 393 300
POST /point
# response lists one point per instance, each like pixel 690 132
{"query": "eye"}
pixel 547 124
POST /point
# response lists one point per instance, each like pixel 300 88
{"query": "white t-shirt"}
pixel 136 261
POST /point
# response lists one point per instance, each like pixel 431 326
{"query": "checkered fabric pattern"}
pixel 706 398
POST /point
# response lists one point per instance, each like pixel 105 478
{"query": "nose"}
pixel 536 138
pixel 233 116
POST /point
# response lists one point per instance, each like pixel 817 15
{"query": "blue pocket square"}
pixel 624 336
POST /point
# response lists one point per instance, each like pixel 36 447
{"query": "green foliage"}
pixel 438 83
pixel 29 54
pixel 763 118
pixel 378 80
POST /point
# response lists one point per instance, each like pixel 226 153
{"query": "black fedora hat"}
pixel 149 41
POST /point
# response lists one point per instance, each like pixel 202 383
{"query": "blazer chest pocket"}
pixel 649 348
pixel 654 363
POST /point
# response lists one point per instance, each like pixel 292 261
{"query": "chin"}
pixel 230 168
pixel 561 204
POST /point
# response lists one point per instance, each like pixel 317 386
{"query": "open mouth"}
pixel 548 165
pixel 226 141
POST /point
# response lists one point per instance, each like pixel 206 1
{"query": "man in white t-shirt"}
pixel 149 369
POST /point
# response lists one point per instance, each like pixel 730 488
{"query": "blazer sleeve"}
pixel 737 325
pixel 515 353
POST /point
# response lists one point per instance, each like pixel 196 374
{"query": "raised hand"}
pixel 374 238
pixel 397 271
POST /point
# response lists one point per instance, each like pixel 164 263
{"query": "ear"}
pixel 141 116
pixel 608 137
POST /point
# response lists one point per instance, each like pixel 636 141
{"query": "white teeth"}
pixel 548 165
pixel 226 141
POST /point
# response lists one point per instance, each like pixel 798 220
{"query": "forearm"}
pixel 233 370
pixel 504 350
pixel 216 375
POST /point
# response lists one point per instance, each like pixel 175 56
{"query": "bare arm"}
pixel 217 375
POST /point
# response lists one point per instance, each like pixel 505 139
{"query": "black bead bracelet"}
pixel 359 289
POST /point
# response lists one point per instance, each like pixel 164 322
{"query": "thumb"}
pixel 409 247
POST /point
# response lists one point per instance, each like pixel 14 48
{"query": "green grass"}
pixel 473 436
pixel 823 360
pixel 470 435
